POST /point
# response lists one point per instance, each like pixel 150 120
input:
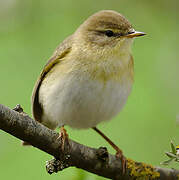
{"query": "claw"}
pixel 63 136
pixel 120 155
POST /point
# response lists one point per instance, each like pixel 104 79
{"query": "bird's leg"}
pixel 63 136
pixel 119 153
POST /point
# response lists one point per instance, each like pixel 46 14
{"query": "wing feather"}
pixel 61 51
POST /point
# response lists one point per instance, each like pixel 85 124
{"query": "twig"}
pixel 97 161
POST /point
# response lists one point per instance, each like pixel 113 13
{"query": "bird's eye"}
pixel 109 33
pixel 130 32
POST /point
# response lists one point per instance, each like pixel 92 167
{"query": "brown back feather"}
pixel 61 51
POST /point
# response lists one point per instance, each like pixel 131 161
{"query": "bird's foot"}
pixel 119 154
pixel 63 136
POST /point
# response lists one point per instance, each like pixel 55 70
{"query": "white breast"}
pixel 80 102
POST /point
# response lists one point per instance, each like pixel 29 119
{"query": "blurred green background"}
pixel 30 31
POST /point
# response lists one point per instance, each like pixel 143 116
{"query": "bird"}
pixel 89 77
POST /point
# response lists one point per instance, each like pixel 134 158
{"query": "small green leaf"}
pixel 170 155
pixel 173 147
pixel 167 162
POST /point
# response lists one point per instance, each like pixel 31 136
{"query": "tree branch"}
pixel 97 161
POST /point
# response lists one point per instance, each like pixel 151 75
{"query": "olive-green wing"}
pixel 61 51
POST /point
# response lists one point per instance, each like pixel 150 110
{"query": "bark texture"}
pixel 97 161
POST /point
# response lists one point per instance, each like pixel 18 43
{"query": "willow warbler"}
pixel 89 76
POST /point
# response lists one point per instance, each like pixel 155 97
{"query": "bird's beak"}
pixel 135 34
